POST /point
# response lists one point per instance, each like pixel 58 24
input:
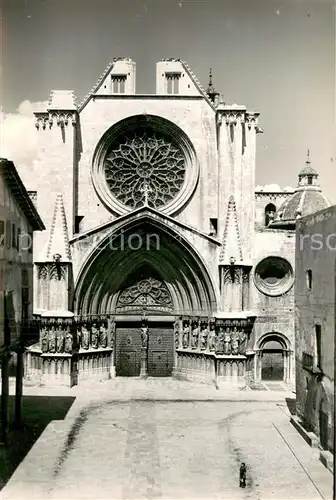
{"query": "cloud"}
pixel 18 138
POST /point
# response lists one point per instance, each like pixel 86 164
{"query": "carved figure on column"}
pixel 235 341
pixel 94 336
pixel 227 341
pixel 60 339
pixel 103 336
pixel 68 343
pixel 52 340
pixel 144 336
pixel 177 334
pixel 242 342
pixel 212 338
pixel 194 337
pixel 85 337
pixel 204 337
pixel 111 327
pixel 185 339
pixel 44 340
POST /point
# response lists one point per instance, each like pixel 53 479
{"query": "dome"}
pixel 306 199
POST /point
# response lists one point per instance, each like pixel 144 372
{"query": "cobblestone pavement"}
pixel 173 449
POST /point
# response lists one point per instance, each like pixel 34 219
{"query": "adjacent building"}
pixel 315 301
pixel 18 221
pixel 161 257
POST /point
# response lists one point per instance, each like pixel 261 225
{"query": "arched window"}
pixel 270 210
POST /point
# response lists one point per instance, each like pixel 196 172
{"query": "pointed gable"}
pixel 122 68
pixel 231 244
pixel 58 238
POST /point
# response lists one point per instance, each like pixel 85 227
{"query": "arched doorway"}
pixel 148 272
pixel 273 358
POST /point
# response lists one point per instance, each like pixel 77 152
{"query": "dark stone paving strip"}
pixel 142 454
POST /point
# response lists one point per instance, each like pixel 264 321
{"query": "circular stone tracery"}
pixel 274 276
pixel 145 169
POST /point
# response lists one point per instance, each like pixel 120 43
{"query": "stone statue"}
pixel 235 341
pixel 52 340
pixel 85 337
pixel 242 342
pixel 212 338
pixel 227 341
pixel 102 336
pixel 204 337
pixel 194 337
pixel 68 343
pixel 94 336
pixel 60 340
pixel 185 340
pixel 44 341
pixel 144 337
pixel 220 341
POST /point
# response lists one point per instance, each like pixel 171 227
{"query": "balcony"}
pixel 308 364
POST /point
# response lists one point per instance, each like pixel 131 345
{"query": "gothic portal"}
pixel 160 257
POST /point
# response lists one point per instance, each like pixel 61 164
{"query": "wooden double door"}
pixel 160 354
pixel 272 367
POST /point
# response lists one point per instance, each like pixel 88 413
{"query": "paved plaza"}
pixel 153 439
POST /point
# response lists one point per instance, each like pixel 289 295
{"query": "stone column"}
pixel 144 350
pixel 144 363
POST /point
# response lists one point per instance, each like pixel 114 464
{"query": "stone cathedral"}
pixel 161 257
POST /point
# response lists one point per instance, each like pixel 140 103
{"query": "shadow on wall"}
pixel 37 412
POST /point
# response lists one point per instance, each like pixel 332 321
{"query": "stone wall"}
pixel 315 308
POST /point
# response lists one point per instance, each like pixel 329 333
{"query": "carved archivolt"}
pixel 146 294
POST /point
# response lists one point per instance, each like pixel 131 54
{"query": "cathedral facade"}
pixel 161 257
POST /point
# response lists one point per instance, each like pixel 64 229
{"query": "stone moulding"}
pixel 48 118
pixel 280 282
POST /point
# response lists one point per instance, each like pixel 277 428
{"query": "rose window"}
pixel 146 170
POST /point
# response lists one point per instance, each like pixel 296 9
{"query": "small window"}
pixel 30 243
pixel 310 180
pixel 309 278
pixel 318 346
pixel 115 86
pixel 118 84
pixel 18 239
pixel 8 234
pixel 13 236
pixel 172 83
pixel 169 86
pixel 213 227
pixel 2 233
pixel 270 210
